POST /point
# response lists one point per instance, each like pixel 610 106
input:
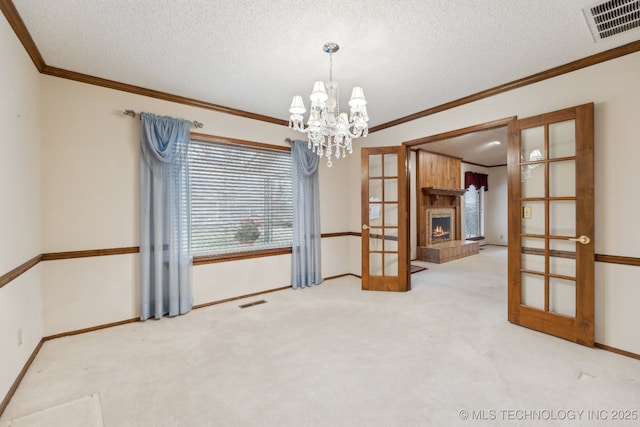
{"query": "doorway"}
pixel 550 218
pixel 480 148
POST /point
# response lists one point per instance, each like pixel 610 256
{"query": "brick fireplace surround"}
pixel 448 251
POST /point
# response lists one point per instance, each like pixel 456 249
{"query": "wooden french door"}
pixel 551 223
pixel 385 265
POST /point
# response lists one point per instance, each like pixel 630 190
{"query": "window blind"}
pixel 474 212
pixel 241 198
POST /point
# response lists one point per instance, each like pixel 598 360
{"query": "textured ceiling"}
pixel 254 55
pixel 485 147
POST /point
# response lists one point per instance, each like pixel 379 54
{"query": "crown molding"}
pixel 16 22
pixel 534 78
pixel 112 84
pixel 13 17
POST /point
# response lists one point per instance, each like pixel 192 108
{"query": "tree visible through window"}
pixel 474 212
pixel 241 198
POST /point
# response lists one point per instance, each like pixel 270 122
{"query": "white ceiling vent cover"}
pixel 612 17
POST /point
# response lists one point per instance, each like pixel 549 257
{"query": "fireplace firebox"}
pixel 441 224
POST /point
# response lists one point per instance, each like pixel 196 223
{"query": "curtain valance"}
pixel 477 180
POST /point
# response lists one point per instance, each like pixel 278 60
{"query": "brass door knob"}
pixel 583 240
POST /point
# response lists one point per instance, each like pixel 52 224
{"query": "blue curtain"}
pixel 165 218
pixel 306 269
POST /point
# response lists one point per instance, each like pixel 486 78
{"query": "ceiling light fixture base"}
pixel 331 47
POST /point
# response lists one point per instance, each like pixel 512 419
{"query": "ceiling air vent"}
pixel 612 17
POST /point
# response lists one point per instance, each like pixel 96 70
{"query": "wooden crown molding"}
pixel 16 22
pixel 13 17
pixel 111 84
pixel 534 78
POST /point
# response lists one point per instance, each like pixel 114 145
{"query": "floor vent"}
pixel 612 17
pixel 251 304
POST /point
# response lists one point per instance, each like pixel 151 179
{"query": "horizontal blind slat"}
pixel 238 191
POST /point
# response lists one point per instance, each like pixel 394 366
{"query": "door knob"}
pixel 583 240
pixel 365 227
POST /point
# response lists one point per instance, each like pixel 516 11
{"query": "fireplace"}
pixel 441 225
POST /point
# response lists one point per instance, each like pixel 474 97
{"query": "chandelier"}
pixel 330 132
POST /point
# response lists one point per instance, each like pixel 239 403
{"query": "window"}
pixel 474 212
pixel 241 198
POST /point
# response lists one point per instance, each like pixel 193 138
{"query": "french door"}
pixel 551 223
pixel 384 219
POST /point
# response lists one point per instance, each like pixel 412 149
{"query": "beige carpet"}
pixel 333 355
pixel 82 412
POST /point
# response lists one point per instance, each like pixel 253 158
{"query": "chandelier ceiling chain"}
pixel 330 132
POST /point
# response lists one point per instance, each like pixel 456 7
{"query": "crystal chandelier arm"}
pixel 297 124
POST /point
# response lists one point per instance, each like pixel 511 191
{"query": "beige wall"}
pixel 614 87
pixel 20 206
pixel 496 207
pixel 90 201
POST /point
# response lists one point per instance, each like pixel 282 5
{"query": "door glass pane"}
pixel 533 290
pixel 390 165
pixel 390 264
pixel 532 144
pixel 562 258
pixel 391 239
pixel 562 296
pixel 375 264
pixel 391 214
pixel 533 217
pixel 375 190
pixel 532 180
pixel 375 239
pixel 375 212
pixel 562 139
pixel 532 254
pixel 562 179
pixel 562 218
pixel 375 165
pixel 391 190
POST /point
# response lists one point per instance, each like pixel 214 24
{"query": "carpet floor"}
pixel 442 354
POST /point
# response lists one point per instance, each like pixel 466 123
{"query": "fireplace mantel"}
pixel 434 192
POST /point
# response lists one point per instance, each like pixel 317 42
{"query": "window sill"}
pixel 475 238
pixel 211 259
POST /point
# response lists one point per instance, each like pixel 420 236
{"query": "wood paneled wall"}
pixel 436 170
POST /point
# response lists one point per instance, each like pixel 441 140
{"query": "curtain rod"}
pixel 133 114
